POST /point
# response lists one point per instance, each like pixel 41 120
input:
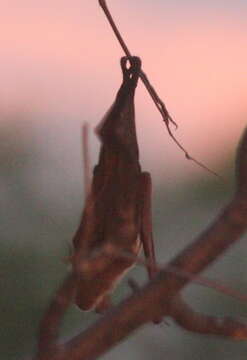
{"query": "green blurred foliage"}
pixel 35 236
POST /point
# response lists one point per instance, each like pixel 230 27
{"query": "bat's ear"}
pixel 131 67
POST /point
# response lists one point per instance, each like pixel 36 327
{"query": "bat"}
pixel 117 213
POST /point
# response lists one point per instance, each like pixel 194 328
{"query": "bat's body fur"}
pixel 113 211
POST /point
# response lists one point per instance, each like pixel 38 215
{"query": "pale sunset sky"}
pixel 60 60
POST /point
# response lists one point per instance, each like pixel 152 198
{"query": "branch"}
pixel 86 158
pixel 51 321
pixel 196 322
pixel 154 300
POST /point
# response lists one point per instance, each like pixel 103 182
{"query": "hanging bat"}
pixel 117 212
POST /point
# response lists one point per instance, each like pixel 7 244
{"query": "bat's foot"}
pixel 131 67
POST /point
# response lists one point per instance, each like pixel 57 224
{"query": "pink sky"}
pixel 62 60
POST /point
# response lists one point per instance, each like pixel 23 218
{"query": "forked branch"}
pixel 159 297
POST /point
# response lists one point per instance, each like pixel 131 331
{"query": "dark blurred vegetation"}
pixel 35 238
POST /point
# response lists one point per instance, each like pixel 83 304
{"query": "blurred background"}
pixel 59 68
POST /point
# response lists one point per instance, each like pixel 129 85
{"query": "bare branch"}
pixel 155 299
pixel 193 321
pixel 196 322
pixel 50 323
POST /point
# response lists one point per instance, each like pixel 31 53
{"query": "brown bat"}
pixel 117 214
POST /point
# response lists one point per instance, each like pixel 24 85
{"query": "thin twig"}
pixel 160 105
pixel 86 158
